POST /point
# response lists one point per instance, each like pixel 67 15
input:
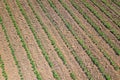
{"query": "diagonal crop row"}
pixel 29 24
pixel 4 74
pixel 59 52
pixel 117 3
pixel 106 12
pixel 94 41
pixel 96 27
pixel 79 61
pixel 45 54
pixel 106 55
pixel 116 67
pixel 38 76
pixel 89 53
pixel 111 7
pixel 106 24
pixel 81 42
pixel 12 49
pixel 55 74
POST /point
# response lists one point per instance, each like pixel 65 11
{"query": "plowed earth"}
pixel 56 27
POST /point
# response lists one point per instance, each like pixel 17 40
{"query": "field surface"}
pixel 59 39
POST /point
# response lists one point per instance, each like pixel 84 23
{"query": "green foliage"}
pixel 106 24
pixel 106 12
pixel 71 30
pixel 56 76
pixel 11 48
pixel 80 62
pixel 3 69
pixel 116 2
pixel 21 37
pixel 59 52
pixel 94 25
pixel 80 41
pixel 116 67
pixel 73 76
pixel 111 7
pixel 45 54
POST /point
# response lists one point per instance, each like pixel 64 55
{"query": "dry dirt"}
pixel 41 63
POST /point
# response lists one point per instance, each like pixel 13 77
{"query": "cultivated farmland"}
pixel 59 40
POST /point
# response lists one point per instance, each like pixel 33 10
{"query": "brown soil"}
pixel 88 42
pixel 9 64
pixel 111 7
pixel 104 16
pixel 19 50
pixel 36 54
pixel 97 37
pixel 50 48
pixel 41 64
pixel 101 42
pixel 113 14
pixel 106 31
pixel 73 66
pixel 113 25
pixel 117 8
pixel 62 26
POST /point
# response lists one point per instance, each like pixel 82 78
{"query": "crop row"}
pixel 79 61
pixel 12 49
pixel 106 24
pixel 111 7
pixel 116 2
pixel 97 28
pixel 89 53
pixel 81 42
pixel 59 52
pixel 23 41
pixel 116 67
pixel 45 54
pixel 106 12
pixel 4 74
